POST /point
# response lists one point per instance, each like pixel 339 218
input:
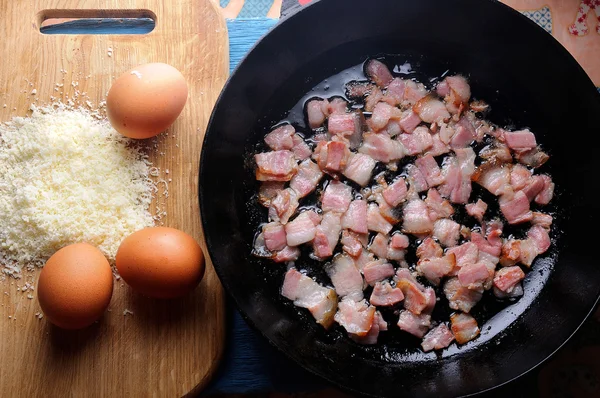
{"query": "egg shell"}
pixel 75 286
pixel 146 100
pixel 160 262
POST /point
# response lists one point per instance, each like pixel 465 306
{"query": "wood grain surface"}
pixel 164 348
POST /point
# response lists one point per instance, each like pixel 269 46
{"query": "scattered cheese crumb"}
pixel 67 177
pixel 33 92
pixel 136 73
pixel 127 312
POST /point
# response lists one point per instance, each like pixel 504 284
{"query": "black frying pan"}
pixel 529 80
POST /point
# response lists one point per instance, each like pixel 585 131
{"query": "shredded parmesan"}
pixel 67 177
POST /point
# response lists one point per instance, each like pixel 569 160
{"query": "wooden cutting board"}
pixel 165 348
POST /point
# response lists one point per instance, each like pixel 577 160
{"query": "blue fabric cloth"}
pixel 250 364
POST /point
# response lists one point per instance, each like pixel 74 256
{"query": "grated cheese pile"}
pixel 67 177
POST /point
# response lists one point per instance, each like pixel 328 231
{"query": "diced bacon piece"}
pixel 438 206
pixel 431 110
pixel 541 219
pixel 379 245
pixel 467 253
pixel 382 113
pixel 301 149
pixel 416 218
pixel 274 234
pixel 321 246
pixel 458 93
pixel 336 106
pixel 438 148
pixel 396 192
pixel 287 254
pixel 428 249
pixel 457 172
pixel 459 296
pixel 519 177
pixel 379 325
pixel 396 254
pixel 306 293
pixel 399 241
pixel 446 231
pixel 438 338
pixel 395 92
pixel 521 140
pixel 268 191
pixel 511 252
pixel 516 292
pixel 540 238
pixel 327 234
pixel 351 244
pixel 475 276
pixel 381 147
pixel 392 128
pixel 494 248
pixel 477 210
pixel 281 138
pixel 464 327
pixel 385 295
pixel 333 156
pixel 515 209
pixel 497 153
pixel 409 121
pixel 415 299
pixel 404 273
pixel 355 316
pixel 416 178
pixel 355 218
pixel 459 85
pixel 434 269
pixel 430 169
pixel 316 113
pixel 533 158
pixel 464 134
pixel 431 300
pixel 446 133
pixel 336 197
pixel 417 142
pixel 374 96
pixel 275 166
pixel 364 257
pixel 379 73
pixel 283 206
pixel 495 179
pixel 547 193
pixel 307 178
pixel 389 213
pixel 359 168
pixel 443 88
pixel 417 325
pixel 376 271
pixel 345 277
pixel 534 187
pixel 302 229
pixel 341 123
pixel 413 92
pixel 527 252
pixel 376 222
pixel 507 278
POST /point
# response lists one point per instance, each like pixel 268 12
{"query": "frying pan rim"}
pixel 558 48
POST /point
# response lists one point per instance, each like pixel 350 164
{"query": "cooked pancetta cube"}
pixel 437 338
pixel 464 327
pixel 306 293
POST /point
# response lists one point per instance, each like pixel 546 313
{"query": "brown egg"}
pixel 75 286
pixel 160 262
pixel 146 100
